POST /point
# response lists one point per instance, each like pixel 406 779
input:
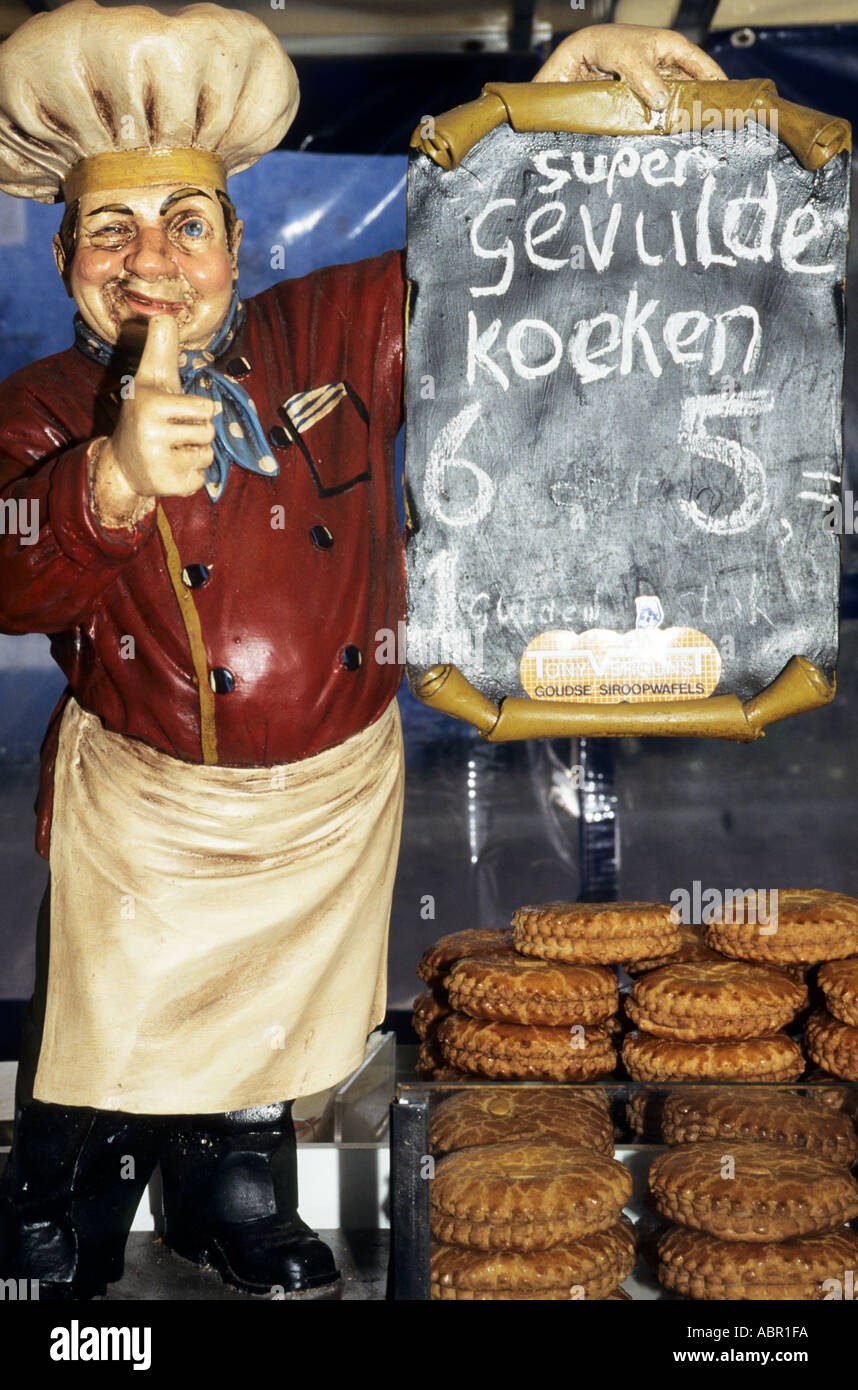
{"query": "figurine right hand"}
pixel 162 444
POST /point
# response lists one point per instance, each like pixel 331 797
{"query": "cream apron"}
pixel 218 934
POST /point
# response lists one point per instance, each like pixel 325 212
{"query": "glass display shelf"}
pixel 636 1144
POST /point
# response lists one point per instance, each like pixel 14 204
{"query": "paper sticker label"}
pixel 646 665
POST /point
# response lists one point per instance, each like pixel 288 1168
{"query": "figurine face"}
pixel 156 250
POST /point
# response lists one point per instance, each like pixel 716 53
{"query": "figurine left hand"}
pixel 637 54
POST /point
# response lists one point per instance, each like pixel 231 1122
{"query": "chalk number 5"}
pixel 694 437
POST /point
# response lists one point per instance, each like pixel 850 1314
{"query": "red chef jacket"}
pixel 291 577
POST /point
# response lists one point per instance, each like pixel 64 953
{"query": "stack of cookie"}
pixel 433 1005
pixel 813 926
pixel 545 1008
pixel 715 1020
pixel 517 1019
pixel 758 1220
pixel 527 1199
pixel 831 1037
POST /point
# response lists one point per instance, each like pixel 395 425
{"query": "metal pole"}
pixel 694 19
pixel 598 828
pixel 410 1169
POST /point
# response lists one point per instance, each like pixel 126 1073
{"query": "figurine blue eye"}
pixel 194 228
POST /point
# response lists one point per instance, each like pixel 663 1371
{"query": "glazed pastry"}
pixel 743 1114
pixel 755 1192
pixel 492 1116
pixel 701 1266
pixel 588 1268
pixel 832 1045
pixel 513 989
pixel 595 933
pixel 524 1052
pixel 436 961
pixel 692 947
pixel 838 980
pixel 643 1113
pixel 525 1195
pixel 773 1058
pixel 430 1065
pixel 429 1008
pixel 708 1000
pixel 812 925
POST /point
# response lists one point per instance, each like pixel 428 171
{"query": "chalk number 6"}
pixel 443 457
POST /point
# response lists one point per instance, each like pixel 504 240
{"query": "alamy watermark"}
pixel 699 906
pixel 428 647
pixel 840 516
pixel 19 1290
pixel 730 120
pixel 19 516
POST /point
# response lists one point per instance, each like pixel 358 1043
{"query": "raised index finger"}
pixel 159 362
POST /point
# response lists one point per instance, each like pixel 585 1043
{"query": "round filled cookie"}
pixel 832 1045
pixel 708 1000
pixel 437 960
pixel 525 1195
pixel 643 1113
pixel 701 1266
pixel 429 1008
pixel 756 1192
pixel 811 925
pixel 595 933
pixel 430 1065
pixel 838 980
pixel 692 947
pixel 513 989
pixel 797 970
pixel 525 1052
pixel 588 1268
pixel 773 1058
pixel 490 1116
pixel 693 1115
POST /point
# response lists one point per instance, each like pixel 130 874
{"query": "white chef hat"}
pixel 93 97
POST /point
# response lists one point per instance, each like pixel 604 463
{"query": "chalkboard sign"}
pixel 625 364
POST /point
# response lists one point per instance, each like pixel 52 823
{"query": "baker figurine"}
pixel 218 547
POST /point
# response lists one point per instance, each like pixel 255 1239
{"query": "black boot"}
pixel 68 1196
pixel 230 1186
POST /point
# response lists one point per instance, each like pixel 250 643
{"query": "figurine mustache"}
pixel 175 290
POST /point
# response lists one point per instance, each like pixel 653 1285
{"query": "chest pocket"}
pixel 329 425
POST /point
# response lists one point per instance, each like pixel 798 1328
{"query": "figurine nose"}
pixel 150 255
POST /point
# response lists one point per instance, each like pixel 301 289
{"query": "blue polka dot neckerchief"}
pixel 239 438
